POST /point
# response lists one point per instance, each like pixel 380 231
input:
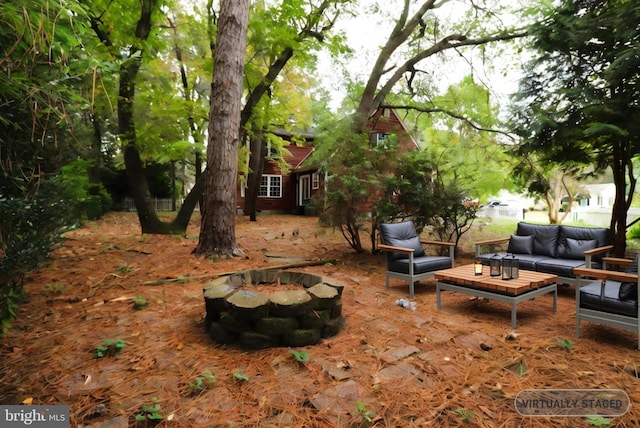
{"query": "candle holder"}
pixel 477 267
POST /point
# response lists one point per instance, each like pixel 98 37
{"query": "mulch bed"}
pixel 388 367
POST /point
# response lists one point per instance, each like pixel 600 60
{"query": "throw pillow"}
pixel 520 244
pixel 628 291
pixel 575 248
pixel 413 243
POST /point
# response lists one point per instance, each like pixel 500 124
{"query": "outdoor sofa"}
pixel 555 249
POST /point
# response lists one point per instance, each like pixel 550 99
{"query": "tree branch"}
pixel 450 113
pixel 450 42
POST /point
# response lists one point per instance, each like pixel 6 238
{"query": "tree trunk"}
pixel 138 185
pixel 256 163
pixel 217 230
pixel 622 166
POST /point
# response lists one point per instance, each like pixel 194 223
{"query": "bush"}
pixel 87 200
pixel 634 232
pixel 28 231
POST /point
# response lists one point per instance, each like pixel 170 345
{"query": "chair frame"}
pixel 585 276
pixel 412 277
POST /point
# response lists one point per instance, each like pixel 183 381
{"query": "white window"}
pixel 378 139
pixel 270 186
pixel 315 180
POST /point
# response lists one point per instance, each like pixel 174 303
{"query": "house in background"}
pixel 598 195
pixel 291 192
pixel 385 122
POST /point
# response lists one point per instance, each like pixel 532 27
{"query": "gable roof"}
pixel 298 155
pixel 383 120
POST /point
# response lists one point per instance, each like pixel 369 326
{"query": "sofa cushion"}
pixel 546 237
pixel 560 267
pixel 525 261
pixel 600 234
pixel 575 248
pixel 593 297
pixel 401 234
pixel 520 244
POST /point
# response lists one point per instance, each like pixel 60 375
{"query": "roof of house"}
pixel 381 113
pixel 298 155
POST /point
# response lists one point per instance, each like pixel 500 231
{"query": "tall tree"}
pixel 217 231
pixel 578 103
pixel 420 31
pixel 130 54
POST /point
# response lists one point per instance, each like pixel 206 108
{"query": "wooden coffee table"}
pixel 530 285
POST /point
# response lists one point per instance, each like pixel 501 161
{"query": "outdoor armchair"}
pixel 608 297
pixel 405 257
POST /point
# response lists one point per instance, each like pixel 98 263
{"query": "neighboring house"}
pixel 292 191
pixel 598 195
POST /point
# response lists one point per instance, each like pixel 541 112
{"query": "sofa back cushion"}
pixel 401 235
pixel 545 237
pixel 574 240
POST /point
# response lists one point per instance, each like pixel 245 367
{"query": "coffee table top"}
pixel 464 275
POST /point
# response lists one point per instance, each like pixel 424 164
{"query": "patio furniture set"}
pixel 547 255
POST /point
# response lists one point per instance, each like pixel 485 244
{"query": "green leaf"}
pixel 238 375
pixel 300 356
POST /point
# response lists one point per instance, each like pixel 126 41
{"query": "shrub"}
pixel 28 231
pixel 88 200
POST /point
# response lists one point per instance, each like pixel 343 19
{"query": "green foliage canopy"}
pixel 579 101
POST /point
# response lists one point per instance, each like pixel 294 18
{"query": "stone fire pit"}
pixel 266 308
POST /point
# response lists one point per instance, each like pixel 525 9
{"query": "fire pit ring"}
pixel 239 312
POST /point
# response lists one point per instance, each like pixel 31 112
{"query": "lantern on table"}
pixel 494 265
pixel 515 267
pixel 507 267
pixel 477 267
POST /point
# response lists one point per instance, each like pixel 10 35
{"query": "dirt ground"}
pixel 388 367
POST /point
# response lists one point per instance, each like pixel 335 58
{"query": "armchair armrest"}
pixel 395 249
pixel 615 261
pixel 605 274
pixel 480 244
pixel 590 253
pixel 444 243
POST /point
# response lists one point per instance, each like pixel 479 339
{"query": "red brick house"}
pixel 291 192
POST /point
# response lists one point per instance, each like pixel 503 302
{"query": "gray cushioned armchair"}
pixel 609 297
pixel 405 257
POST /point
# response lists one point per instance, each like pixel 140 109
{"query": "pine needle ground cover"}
pixel 114 328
